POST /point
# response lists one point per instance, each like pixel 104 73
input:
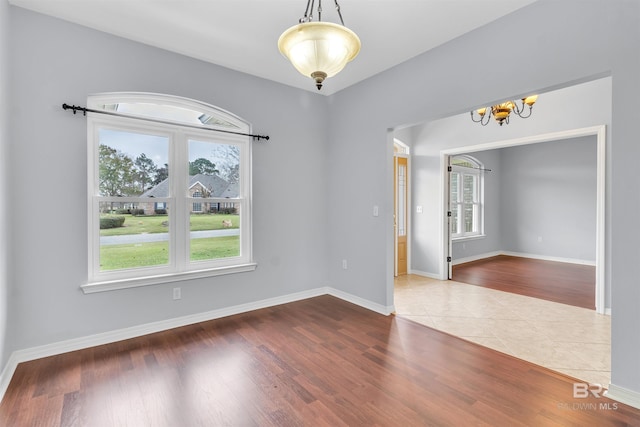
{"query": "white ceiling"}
pixel 243 34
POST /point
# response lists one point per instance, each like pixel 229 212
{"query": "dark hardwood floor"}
pixel 317 362
pixel 561 282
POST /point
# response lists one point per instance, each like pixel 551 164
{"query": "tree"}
pixel 228 161
pixel 161 174
pixel 145 169
pixel 116 177
pixel 202 166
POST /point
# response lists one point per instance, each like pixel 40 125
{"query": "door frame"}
pixel 600 133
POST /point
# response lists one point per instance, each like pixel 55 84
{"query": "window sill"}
pixel 468 238
pixel 111 285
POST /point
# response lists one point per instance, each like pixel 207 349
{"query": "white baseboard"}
pixel 522 255
pixel 476 257
pixel 549 258
pixel 426 274
pixel 53 349
pixel 624 395
pixel 378 308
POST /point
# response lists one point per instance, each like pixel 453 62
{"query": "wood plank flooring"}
pixel 318 362
pixel 561 282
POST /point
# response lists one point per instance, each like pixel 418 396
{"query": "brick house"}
pixel 200 186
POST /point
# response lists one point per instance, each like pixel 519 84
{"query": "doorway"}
pixel 599 133
pixel 401 204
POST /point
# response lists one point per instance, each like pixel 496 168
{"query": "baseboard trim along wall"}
pixel 623 395
pixel 425 274
pixel 523 255
pixel 53 349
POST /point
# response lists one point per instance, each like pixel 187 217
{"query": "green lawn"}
pixel 159 224
pixel 115 257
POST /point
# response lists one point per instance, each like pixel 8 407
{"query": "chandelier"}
pixel 319 49
pixel 501 112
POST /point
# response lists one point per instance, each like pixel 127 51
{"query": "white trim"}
pixel 80 343
pixel 370 305
pixel 600 133
pixel 476 257
pixel 623 395
pixel 549 258
pixel 112 285
pixel 522 255
pixel 426 274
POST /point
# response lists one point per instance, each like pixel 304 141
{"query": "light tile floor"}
pixel 572 340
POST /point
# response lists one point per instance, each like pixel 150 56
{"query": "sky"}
pixel 155 147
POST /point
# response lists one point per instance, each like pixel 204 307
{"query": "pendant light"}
pixel 319 49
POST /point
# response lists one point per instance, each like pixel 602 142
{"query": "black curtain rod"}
pixel 84 110
pixel 470 167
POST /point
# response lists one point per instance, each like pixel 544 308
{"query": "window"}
pixel 169 198
pixel 466 197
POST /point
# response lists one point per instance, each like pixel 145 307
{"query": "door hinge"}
pixel 448 259
pixel 449 168
pixel 449 213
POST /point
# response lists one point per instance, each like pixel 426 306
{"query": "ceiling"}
pixel 243 34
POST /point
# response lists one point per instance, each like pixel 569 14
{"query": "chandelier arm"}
pixel 483 120
pixel 488 116
pixel 517 109
pixel 528 115
pixel 339 13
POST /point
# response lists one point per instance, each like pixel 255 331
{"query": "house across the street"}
pixel 200 186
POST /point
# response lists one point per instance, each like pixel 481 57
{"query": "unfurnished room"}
pixel 338 213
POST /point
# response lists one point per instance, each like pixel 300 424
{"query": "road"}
pixel 128 239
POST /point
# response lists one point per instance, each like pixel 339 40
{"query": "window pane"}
pixel 215 233
pixel 214 169
pixel 168 112
pixel 469 188
pixel 214 173
pixel 470 223
pixel 402 190
pixel 455 219
pixel 133 234
pixel 455 178
pixel 132 164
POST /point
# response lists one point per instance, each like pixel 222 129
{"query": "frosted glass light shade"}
pixel 319 49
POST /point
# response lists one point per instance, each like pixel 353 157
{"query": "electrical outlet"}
pixel 177 294
pixel 344 264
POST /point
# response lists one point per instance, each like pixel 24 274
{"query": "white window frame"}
pixel 460 205
pixel 179 267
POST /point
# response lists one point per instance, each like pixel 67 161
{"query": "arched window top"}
pixel 167 108
pixel 465 161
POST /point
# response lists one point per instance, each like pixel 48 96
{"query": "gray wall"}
pixel 56 62
pixel 5 103
pixel 549 192
pixel 573 42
